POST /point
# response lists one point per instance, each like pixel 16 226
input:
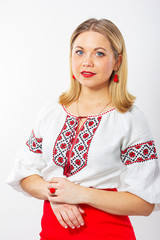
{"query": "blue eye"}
pixel 79 52
pixel 100 54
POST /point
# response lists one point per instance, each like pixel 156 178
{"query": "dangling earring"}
pixel 73 77
pixel 115 79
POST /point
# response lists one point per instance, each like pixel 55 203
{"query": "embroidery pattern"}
pixel 34 144
pixel 71 148
pixel 139 153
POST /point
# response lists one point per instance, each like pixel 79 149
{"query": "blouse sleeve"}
pixel 138 153
pixel 29 160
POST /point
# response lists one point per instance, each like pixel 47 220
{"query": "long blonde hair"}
pixel 118 93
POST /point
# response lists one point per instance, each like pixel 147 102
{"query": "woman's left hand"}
pixel 65 191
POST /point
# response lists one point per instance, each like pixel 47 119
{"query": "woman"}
pixel 91 157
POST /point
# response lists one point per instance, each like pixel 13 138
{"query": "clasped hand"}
pixel 64 202
pixel 65 191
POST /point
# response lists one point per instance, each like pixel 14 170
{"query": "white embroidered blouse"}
pixel 110 150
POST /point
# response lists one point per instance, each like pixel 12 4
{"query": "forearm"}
pixel 119 203
pixel 36 186
pixel 68 215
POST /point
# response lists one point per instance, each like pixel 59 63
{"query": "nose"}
pixel 88 61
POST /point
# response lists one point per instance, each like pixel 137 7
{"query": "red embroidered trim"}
pixel 71 148
pixel 34 144
pixel 139 153
pixel 90 116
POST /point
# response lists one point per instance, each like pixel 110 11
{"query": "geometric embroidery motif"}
pixel 71 147
pixel 139 153
pixel 34 144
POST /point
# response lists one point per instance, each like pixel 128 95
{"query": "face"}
pixel 93 60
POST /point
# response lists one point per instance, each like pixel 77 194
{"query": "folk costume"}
pixel 112 151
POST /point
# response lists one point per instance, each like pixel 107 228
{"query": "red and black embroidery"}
pixel 139 153
pixel 34 144
pixel 71 148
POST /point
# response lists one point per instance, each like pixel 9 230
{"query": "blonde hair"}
pixel 118 93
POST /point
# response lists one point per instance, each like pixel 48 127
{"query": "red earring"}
pixel 73 77
pixel 115 79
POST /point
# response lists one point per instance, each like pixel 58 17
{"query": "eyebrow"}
pixel 94 49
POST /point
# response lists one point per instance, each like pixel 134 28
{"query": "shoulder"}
pixel 133 111
pixel 134 116
pixel 49 112
pixel 133 123
pixel 138 127
pixel 137 117
pixel 135 127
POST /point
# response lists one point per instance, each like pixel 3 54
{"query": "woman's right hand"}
pixel 68 215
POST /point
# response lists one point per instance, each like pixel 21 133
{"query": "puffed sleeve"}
pixel 29 160
pixel 138 153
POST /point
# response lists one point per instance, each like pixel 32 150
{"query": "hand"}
pixel 68 215
pixel 65 191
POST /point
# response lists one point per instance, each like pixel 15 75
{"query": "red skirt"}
pixel 99 225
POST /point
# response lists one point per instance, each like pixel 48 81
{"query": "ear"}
pixel 118 62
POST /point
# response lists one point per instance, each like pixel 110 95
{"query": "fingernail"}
pixel 82 224
pixel 73 227
pixel 66 227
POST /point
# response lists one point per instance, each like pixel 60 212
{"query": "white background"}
pixel 34 70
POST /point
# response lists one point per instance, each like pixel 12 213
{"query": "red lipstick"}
pixel 87 74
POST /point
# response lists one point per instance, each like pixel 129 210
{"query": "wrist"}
pixel 45 191
pixel 85 196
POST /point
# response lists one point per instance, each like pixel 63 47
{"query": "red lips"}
pixel 87 74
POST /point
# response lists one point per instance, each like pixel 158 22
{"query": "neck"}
pixel 94 96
